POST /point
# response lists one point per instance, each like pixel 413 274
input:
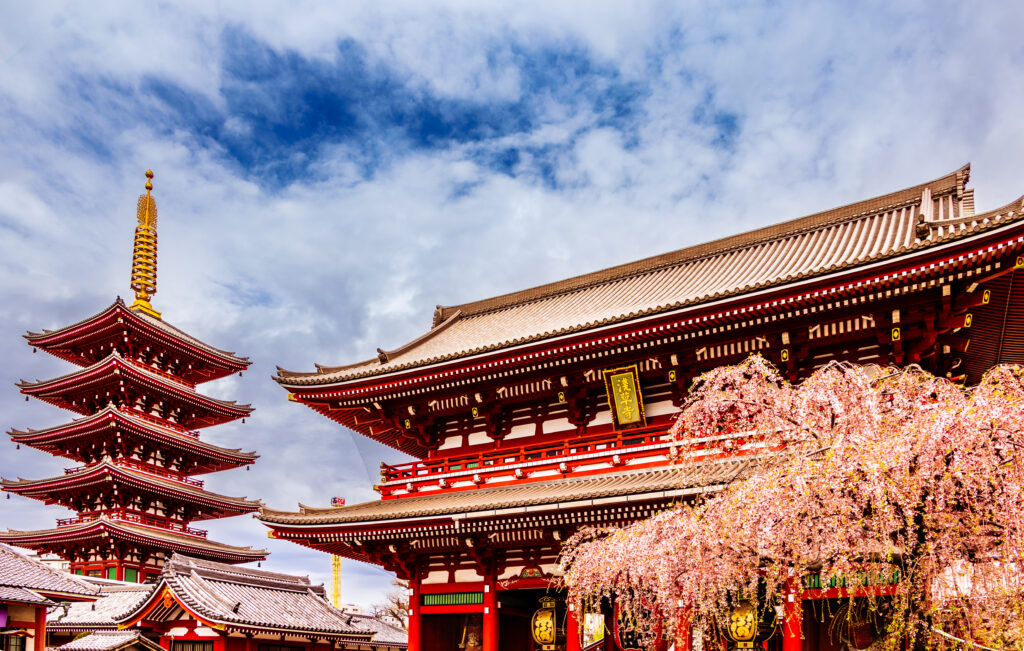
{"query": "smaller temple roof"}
pixel 31 581
pixel 115 602
pixel 22 595
pixel 63 338
pixel 245 598
pixel 560 493
pixel 110 641
pixel 156 537
pixel 382 633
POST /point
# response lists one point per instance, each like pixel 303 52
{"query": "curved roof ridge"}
pixel 159 324
pixel 115 357
pixel 152 479
pixel 15 433
pixel 954 181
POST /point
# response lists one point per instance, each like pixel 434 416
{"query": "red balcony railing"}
pixel 141 415
pixel 147 468
pixel 163 374
pixel 147 519
pixel 607 444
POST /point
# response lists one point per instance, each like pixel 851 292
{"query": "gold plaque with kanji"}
pixel 624 397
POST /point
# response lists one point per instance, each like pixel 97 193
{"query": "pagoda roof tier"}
pixel 89 438
pixel 119 326
pixel 868 233
pixel 245 600
pixel 130 478
pixel 117 380
pixel 155 538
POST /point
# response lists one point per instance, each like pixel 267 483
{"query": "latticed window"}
pixel 191 646
pixel 13 642
pixel 279 647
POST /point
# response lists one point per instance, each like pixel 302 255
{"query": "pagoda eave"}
pixel 203 362
pixel 151 537
pixel 112 426
pixel 106 382
pixel 62 489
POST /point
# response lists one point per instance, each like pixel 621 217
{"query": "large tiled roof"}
pixel 573 492
pixel 115 601
pixel 869 231
pixel 119 530
pixel 249 598
pixel 109 641
pixel 119 307
pixel 106 469
pixel 20 573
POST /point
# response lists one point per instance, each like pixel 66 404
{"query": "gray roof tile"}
pixel 19 571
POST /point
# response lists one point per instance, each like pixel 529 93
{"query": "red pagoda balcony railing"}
pixel 538 456
pixel 141 415
pixel 125 515
pixel 164 374
pixel 147 468
pixel 158 471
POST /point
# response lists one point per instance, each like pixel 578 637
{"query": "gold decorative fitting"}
pixel 144 253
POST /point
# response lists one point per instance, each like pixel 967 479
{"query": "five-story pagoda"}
pixel 137 440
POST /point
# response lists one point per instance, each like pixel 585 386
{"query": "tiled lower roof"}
pixel 251 599
pixel 869 231
pixel 19 571
pixel 559 491
pixel 21 595
pixel 382 633
pixel 109 641
pixel 114 603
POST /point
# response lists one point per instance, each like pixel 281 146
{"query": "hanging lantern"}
pixel 544 625
pixel 748 627
pixel 742 628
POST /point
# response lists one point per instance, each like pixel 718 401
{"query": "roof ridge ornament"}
pixel 144 252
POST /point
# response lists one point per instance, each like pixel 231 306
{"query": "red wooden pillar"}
pixel 40 632
pixel 572 631
pixel 490 612
pixel 793 620
pixel 684 631
pixel 415 619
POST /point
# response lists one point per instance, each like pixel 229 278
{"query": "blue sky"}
pixel 326 173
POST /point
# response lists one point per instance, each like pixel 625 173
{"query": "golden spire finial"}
pixel 144 254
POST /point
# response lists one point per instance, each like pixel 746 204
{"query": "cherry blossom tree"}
pixel 858 473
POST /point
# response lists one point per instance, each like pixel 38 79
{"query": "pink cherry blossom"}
pixel 857 473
